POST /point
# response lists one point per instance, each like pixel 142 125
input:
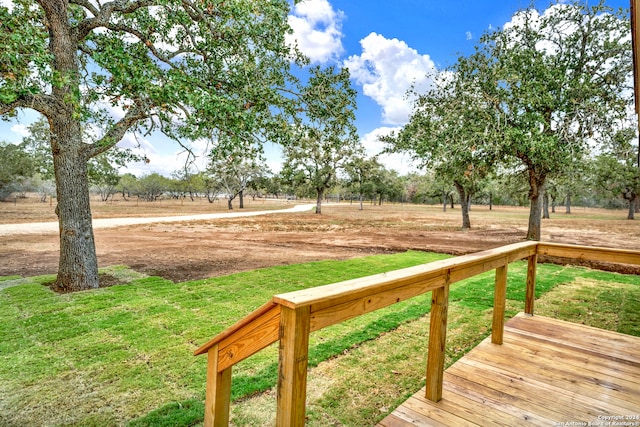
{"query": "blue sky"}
pixel 387 45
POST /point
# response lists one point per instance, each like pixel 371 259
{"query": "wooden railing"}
pixel 291 317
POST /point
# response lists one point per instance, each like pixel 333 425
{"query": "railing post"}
pixel 218 394
pixel 531 284
pixel 437 341
pixel 292 366
pixel 499 302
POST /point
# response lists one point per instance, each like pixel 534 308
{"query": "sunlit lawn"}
pixel 111 356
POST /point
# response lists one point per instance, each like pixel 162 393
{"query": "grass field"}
pixel 123 355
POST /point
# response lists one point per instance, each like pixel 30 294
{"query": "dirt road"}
pixel 52 227
pixel 199 246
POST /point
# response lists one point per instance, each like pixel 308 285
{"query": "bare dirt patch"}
pixel 190 250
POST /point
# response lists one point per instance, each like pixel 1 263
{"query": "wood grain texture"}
pixel 218 392
pixel 499 303
pixel 455 269
pixel 437 342
pixel 292 367
pixel 530 293
pixel 250 339
pixel 590 253
pixel 546 372
pixel 231 330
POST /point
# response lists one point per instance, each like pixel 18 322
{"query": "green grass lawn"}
pixel 123 355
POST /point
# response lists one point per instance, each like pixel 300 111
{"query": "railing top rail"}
pixel 323 297
pixel 337 293
pixel 591 253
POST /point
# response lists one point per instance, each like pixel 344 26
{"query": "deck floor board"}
pixel 547 372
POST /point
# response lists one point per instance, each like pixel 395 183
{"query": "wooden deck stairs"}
pixel 546 373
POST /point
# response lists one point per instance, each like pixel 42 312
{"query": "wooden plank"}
pixel 457 268
pixel 357 307
pixel 459 402
pixel 499 303
pixel 218 392
pixel 623 256
pixel 500 402
pixel 535 381
pixel 404 417
pixel 574 357
pixel 530 297
pixel 426 411
pixel 292 367
pixel 551 399
pixel 576 381
pixel 259 312
pixel 250 338
pixel 401 418
pixel 549 325
pixel 437 342
pixel 596 341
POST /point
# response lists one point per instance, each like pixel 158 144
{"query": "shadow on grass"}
pixel 185 414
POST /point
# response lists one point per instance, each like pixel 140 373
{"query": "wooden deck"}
pixel 547 373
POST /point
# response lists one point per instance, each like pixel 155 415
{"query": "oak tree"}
pixel 326 137
pixel 182 67
pixel 447 133
pixel 558 84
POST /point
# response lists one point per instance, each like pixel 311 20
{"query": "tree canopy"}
pixel 536 95
pixel 447 133
pixel 15 164
pixel 558 83
pixel 327 138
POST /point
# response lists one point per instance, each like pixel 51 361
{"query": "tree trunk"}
pixel 241 202
pixel 536 192
pixel 568 203
pixel 319 200
pixel 230 203
pixel 632 206
pixel 465 198
pixel 553 204
pixel 360 197
pixel 545 206
pixel 444 202
pixel 78 263
pixel 490 201
pixel 380 200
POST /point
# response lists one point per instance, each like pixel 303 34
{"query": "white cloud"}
pixel 386 69
pixel 401 163
pixel 8 4
pixel 317 29
pixel 21 130
pixel 469 35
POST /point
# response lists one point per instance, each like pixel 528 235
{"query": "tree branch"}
pixel 135 114
pixel 41 103
pixel 87 5
pixel 103 16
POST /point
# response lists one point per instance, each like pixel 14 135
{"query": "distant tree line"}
pixel 596 181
